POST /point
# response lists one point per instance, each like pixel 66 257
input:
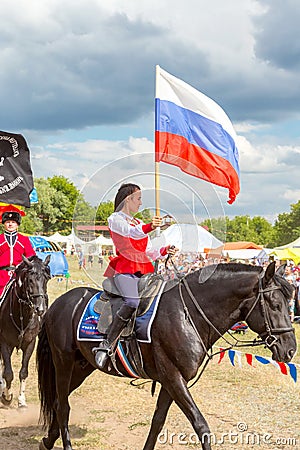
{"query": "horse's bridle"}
pixel 270 332
pixel 28 302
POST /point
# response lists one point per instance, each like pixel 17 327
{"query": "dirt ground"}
pixel 246 408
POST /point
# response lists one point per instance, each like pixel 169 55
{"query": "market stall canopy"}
pixel 58 261
pixel 187 238
pixel 287 254
pixel 294 244
pixel 289 251
pixel 241 245
pixel 241 250
pixel 242 254
pixel 57 237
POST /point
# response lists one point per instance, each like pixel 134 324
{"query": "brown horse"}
pixel 21 314
pixel 190 318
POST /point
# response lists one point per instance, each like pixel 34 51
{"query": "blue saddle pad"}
pixel 87 327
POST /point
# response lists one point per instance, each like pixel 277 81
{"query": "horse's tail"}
pixel 46 378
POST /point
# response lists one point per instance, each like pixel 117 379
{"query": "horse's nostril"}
pixel 291 353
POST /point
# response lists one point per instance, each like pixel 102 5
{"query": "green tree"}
pixel 287 225
pixel 79 210
pixel 242 228
pixel 49 213
pixel 105 209
pixel 216 226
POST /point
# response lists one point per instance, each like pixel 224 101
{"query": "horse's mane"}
pixel 34 259
pixel 236 267
pixel 216 271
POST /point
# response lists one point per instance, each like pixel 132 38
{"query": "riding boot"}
pixel 119 323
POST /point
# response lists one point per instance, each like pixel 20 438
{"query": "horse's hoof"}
pixel 42 446
pixel 22 406
pixel 5 401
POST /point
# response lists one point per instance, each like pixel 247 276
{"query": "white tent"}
pixel 57 237
pixel 94 247
pixel 243 253
pixel 294 244
pixel 187 238
pixel 102 240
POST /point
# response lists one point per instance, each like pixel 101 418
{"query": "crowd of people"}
pixel 185 263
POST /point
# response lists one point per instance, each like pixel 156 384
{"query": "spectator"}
pixel 90 260
pixel 291 278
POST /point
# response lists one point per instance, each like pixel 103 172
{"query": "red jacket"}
pixel 133 246
pixel 11 255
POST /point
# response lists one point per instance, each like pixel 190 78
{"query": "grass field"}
pixel 246 407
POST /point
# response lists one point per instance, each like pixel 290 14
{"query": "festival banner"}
pixel 194 133
pixel 16 180
pixel 236 357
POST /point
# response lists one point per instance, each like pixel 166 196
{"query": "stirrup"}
pixel 101 348
pixel 101 358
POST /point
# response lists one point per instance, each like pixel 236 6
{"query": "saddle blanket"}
pixel 87 327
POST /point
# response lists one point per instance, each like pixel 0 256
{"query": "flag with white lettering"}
pixel 16 180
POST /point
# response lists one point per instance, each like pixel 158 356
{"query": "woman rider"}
pixel 134 259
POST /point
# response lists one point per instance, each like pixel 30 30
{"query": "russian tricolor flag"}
pixel 193 133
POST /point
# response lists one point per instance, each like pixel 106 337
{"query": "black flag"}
pixel 16 180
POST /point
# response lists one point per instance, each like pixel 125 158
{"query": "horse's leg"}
pixel 2 381
pixel 8 374
pixel 177 388
pixel 163 404
pixel 174 383
pixel 78 376
pixel 64 365
pixel 23 374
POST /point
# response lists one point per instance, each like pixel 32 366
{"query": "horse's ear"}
pixel 269 273
pixel 281 269
pixel 47 260
pixel 26 261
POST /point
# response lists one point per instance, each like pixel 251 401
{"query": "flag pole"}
pixel 157 186
pixel 157 197
pixel 156 145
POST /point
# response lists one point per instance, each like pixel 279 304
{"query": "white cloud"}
pixel 68 68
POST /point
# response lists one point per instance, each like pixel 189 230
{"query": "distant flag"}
pixel 39 242
pixel 33 197
pixel 16 180
pixel 193 133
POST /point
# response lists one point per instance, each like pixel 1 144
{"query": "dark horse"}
pixel 191 317
pixel 20 321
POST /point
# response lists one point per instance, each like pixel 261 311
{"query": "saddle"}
pixel 111 300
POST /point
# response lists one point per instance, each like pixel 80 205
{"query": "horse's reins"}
pixel 270 332
pixel 269 341
pixel 28 302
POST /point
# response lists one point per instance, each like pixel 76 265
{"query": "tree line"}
pixel 61 204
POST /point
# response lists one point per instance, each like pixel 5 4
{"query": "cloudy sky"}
pixel 77 79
